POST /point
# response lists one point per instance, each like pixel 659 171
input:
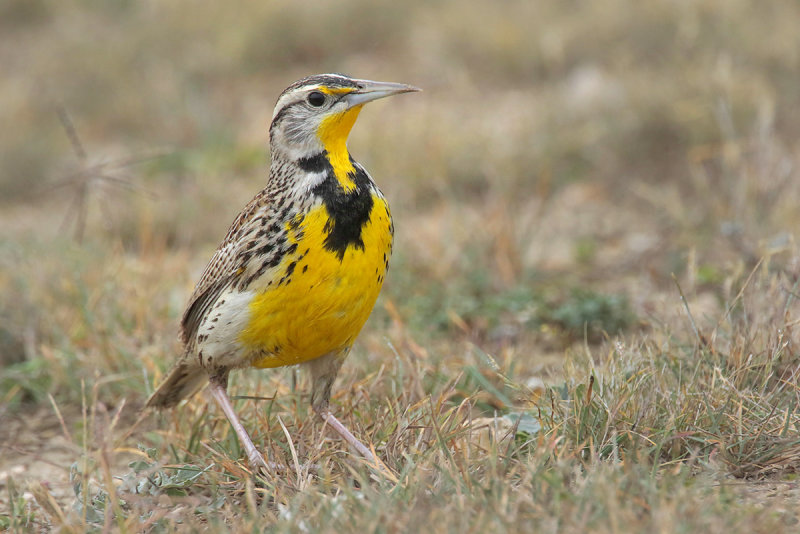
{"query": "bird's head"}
pixel 318 112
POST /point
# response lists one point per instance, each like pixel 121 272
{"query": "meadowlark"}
pixel 301 266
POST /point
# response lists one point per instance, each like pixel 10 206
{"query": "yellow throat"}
pixel 333 132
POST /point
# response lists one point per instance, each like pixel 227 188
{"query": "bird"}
pixel 299 271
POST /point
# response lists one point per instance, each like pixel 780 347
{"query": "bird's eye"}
pixel 316 99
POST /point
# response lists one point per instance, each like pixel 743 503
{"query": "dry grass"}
pixel 590 323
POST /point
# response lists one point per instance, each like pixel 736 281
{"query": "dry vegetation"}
pixel 590 322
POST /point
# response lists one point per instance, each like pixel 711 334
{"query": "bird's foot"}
pixel 348 436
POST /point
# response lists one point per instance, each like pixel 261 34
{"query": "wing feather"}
pixel 225 265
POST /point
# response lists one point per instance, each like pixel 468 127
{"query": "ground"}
pixel 590 319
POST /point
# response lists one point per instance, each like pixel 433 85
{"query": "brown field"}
pixel 591 319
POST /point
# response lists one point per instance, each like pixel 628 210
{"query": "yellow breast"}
pixel 320 298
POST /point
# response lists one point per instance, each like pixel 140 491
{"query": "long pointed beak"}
pixel 368 91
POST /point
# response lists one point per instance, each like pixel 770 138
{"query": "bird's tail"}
pixel 184 380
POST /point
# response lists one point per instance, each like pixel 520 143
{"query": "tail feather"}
pixel 182 382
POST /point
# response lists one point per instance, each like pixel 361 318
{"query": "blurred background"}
pixel 565 159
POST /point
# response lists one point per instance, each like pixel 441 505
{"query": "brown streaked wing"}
pixel 223 269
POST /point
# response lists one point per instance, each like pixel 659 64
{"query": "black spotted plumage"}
pixel 282 288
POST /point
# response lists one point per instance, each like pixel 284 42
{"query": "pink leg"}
pixel 348 436
pixel 218 387
pixel 323 373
